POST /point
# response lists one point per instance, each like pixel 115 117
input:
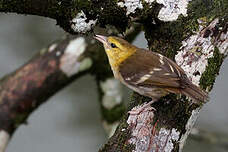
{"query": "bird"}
pixel 148 73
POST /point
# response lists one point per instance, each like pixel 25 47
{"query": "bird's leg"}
pixel 137 110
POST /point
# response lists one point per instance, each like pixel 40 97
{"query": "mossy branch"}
pixel 54 67
pixel 183 39
pixel 50 70
pixel 79 16
pixel 198 44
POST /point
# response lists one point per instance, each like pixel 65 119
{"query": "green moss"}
pixel 208 77
pixel 166 37
pixel 82 4
pixel 21 118
pixel 111 14
pixel 114 114
pixel 207 8
pixel 173 112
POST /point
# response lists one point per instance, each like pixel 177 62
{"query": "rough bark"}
pixel 79 16
pixel 193 33
pixel 54 67
pixel 198 43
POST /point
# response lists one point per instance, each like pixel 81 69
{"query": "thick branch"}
pixel 80 16
pixel 166 128
pixel 200 54
pixel 62 11
pixel 50 70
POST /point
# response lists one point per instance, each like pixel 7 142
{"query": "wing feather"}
pixel 146 68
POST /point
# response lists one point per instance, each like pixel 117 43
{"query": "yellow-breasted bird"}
pixel 146 72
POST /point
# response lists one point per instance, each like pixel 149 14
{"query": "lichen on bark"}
pixel 174 111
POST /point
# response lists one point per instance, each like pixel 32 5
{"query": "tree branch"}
pixel 165 129
pixel 54 67
pixel 198 32
pixel 80 16
pixel 61 11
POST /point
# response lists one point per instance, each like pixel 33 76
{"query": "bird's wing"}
pixel 146 68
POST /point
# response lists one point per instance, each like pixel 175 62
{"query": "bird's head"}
pixel 116 48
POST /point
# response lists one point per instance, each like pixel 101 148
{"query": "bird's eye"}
pixel 113 45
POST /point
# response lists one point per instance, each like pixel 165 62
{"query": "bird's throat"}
pixel 115 59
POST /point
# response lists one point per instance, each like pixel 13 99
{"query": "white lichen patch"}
pixel 165 138
pixel 113 95
pixel 188 127
pixel 52 47
pixel 131 5
pixel 195 52
pixel 144 135
pixel 110 128
pixel 141 127
pixel 80 24
pixel 69 63
pixel 172 9
pixel 169 12
pixel 4 139
pixel 193 57
pixel 223 43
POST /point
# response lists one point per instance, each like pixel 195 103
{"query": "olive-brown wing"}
pixel 149 69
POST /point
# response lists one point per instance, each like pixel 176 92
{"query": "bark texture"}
pixel 198 43
pixel 78 16
pixel 25 89
pixel 194 33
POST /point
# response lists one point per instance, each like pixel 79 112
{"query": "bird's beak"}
pixel 102 39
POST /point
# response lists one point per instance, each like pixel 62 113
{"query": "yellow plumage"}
pixel 117 55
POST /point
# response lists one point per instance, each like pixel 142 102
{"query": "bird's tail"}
pixel 195 93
